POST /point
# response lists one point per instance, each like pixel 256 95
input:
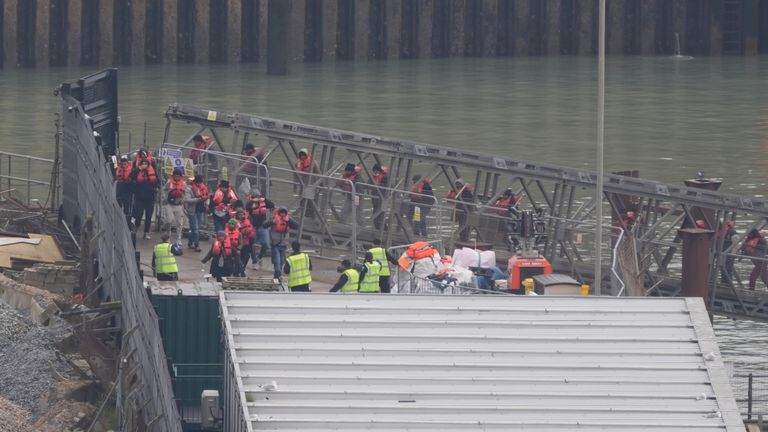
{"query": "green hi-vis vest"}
pixel 353 278
pixel 299 274
pixel 381 255
pixel 165 262
pixel 370 283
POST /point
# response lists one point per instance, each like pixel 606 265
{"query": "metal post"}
pixel 600 138
pixel 354 221
pixel 29 184
pixel 749 398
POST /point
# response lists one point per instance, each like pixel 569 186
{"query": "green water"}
pixel 667 118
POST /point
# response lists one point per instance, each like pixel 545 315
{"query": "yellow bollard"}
pixel 225 174
pixel 528 284
pixel 584 289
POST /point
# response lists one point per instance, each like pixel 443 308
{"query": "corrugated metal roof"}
pixel 437 363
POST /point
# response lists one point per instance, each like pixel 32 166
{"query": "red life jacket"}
pixel 219 246
pixel 750 246
pixel 304 165
pixel 139 158
pixel 354 176
pixel 417 190
pixel 504 203
pixel 259 207
pixel 200 191
pixel 453 194
pixel 147 176
pixel 233 235
pixel 177 188
pixel 196 151
pixel 124 173
pixel 377 179
pixel 224 197
pixel 246 229
pixel 281 223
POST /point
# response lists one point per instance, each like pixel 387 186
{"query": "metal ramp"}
pixel 566 195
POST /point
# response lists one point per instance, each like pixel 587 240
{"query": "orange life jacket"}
pixel 304 165
pixel 200 191
pixel 140 158
pixel 177 188
pixel 353 176
pixel 124 173
pixel 416 251
pixel 147 176
pixel 224 197
pixel 377 179
pixel 259 207
pixel 417 190
pixel 246 229
pixel 219 246
pixel 504 203
pixel 233 235
pixel 196 151
pixel 281 223
pixel 750 246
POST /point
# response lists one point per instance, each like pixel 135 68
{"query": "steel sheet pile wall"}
pixel 89 192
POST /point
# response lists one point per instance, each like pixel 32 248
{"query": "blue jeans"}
pixel 218 224
pixel 195 219
pixel 278 258
pixel 262 238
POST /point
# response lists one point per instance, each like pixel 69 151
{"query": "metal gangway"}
pixel 345 220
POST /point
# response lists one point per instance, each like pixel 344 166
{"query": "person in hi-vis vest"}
pixel 298 268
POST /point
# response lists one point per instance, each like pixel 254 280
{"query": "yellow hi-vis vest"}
pixel 381 255
pixel 165 262
pixel 299 274
pixel 370 282
pixel 353 278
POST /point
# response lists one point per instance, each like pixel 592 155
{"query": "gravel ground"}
pixel 28 356
pixel 13 418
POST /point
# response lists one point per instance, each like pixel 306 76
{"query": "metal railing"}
pixel 751 392
pixel 24 175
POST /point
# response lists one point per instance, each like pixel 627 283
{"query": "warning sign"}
pixel 170 163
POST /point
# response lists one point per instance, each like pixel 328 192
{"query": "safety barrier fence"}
pixel 28 177
pixel 751 391
pixel 145 396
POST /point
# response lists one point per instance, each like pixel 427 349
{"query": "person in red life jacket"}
pixel 379 179
pixel 258 208
pixel 174 198
pixel 279 231
pixel 350 176
pixel 124 185
pixel 143 154
pixel 462 197
pixel 254 165
pixel 756 246
pixel 234 207
pixel 199 145
pixel 145 186
pixel 304 166
pixel 726 233
pixel 195 202
pixel 700 223
pixel 248 234
pixel 223 256
pixel 630 218
pixel 422 199
pixel 222 197
pixel 507 201
pixel 236 240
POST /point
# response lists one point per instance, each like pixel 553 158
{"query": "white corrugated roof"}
pixel 446 363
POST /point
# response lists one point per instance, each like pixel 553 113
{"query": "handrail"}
pixel 613 263
pixel 5 153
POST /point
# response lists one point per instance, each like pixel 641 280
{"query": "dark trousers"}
pixel 300 288
pixel 143 207
pixel 758 271
pixel 167 276
pixel 125 198
pixel 461 218
pixel 384 284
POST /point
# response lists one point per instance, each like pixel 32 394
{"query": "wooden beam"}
pixel 10 44
pixel 42 33
pixel 522 13
pixel 490 27
pixel 554 8
pixel 456 27
pixel 394 24
pixel 201 40
pixel 138 30
pixel 297 15
pixel 362 28
pixel 106 29
pixel 424 38
pixel 170 31
pixel 586 27
pixel 330 22
pixel 234 30
pixel 615 27
pixel 648 27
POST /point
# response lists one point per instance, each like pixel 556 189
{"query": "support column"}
pixel 42 33
pixel 424 39
pixel 138 31
pixel 277 37
pixel 106 29
pixel 522 13
pixel 234 30
pixel 717 8
pixel 393 24
pixel 362 9
pixel 201 40
pixel 456 28
pixel 263 29
pixel 170 31
pixel 10 44
pixel 697 243
pixel 648 27
pixel 679 11
pixel 553 27
pixel 586 26
pixel 751 26
pixel 615 24
pixel 330 20
pixel 490 27
pixel 296 29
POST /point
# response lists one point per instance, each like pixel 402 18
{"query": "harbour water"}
pixel 667 118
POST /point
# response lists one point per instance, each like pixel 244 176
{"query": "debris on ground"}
pixel 14 418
